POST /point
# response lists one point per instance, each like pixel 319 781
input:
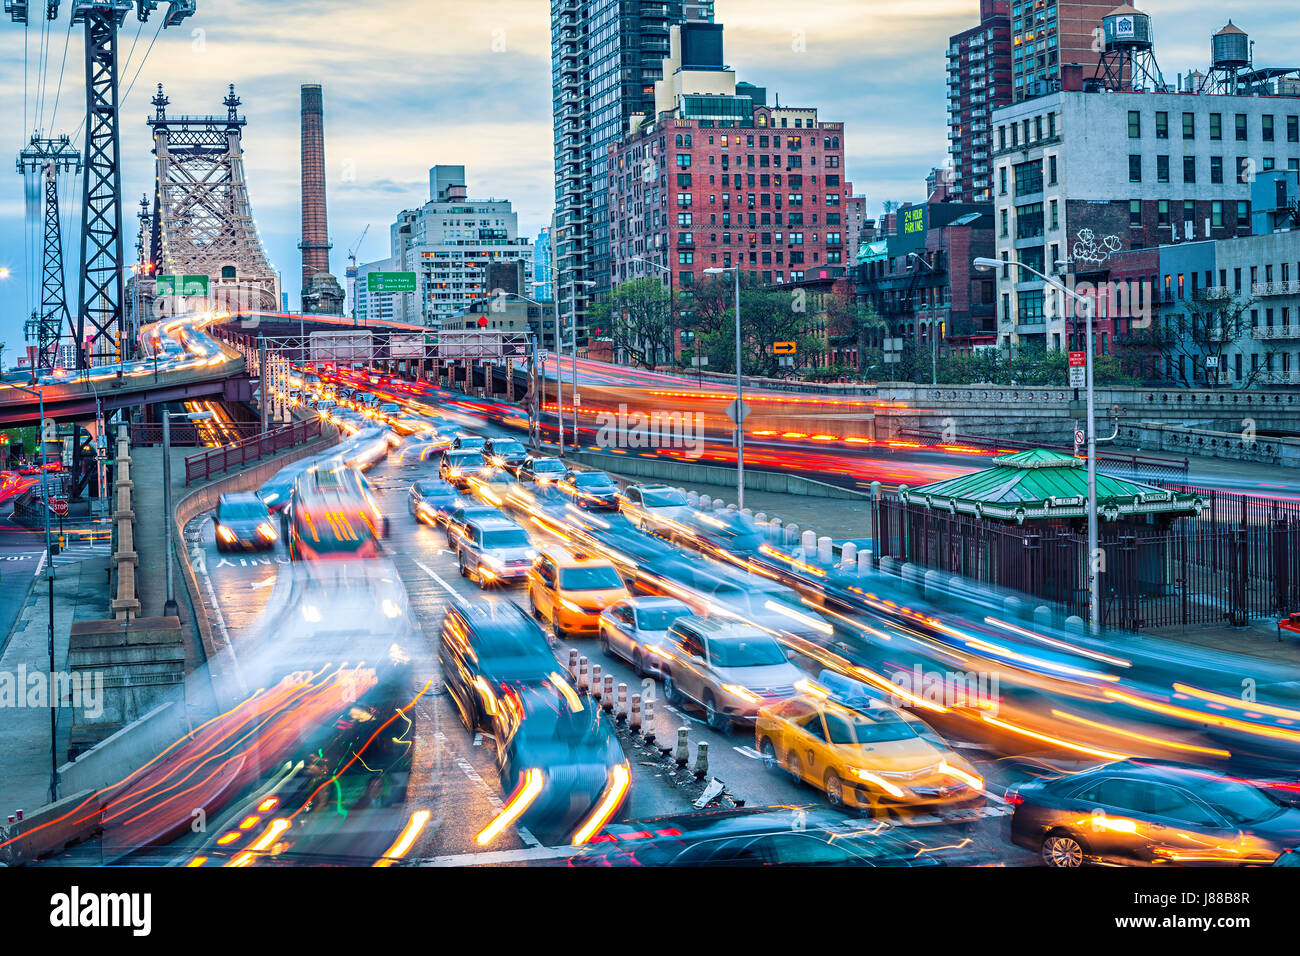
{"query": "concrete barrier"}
pixel 132 746
pixel 690 473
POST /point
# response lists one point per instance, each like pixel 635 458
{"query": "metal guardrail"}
pixel 220 460
pixel 146 435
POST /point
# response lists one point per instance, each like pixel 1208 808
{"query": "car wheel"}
pixel 671 693
pixel 557 630
pixel 717 721
pixel 460 561
pixel 1061 849
pixel 770 763
pixel 638 664
pixel 604 644
pixel 834 788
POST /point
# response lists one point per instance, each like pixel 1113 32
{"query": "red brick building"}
pixel 979 79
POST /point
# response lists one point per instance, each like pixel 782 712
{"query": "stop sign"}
pixel 59 506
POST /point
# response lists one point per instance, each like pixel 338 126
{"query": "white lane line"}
pixel 490 792
pixel 437 577
pixel 201 568
pixel 749 752
pixel 501 856
pixel 41 566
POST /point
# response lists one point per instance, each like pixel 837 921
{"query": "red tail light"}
pixel 1014 798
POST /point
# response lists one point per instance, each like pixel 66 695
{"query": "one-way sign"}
pixel 738 411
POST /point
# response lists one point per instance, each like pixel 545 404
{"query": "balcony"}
pixel 1273 333
pixel 1264 289
pixel 1218 293
pixel 1279 378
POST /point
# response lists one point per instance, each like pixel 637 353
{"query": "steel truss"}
pixel 49 157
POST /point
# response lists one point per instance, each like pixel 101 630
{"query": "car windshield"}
pixel 872 727
pixel 668 498
pixel 434 489
pixel 242 511
pixel 1239 802
pixel 548 464
pixel 758 651
pixel 601 577
pixel 506 538
pixel 470 441
pixel 659 618
pixel 469 459
pixel 508 448
pixel 511 641
pixel 592 479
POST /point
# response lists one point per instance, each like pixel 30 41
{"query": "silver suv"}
pixel 494 550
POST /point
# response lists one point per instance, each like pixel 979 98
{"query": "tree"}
pixel 850 320
pixel 767 316
pixel 1195 336
pixel 638 317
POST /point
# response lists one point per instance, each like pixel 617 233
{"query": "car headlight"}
pixel 226 535
pixel 744 693
pixel 266 531
pixel 866 776
pixel 492 561
pixel 575 608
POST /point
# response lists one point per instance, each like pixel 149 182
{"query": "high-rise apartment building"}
pixel 1047 35
pixel 543 285
pixel 979 80
pixel 605 58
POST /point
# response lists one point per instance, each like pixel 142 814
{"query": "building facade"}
pixel 1081 176
pixel 979 81
pixel 543 282
pixel 605 58
pixel 1048 36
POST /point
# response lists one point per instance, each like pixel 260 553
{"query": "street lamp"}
pixel 740 386
pixel 1094 591
pixel 559 354
pixel 934 340
pixel 672 326
pixel 49 576
pixel 532 364
pixel 170 608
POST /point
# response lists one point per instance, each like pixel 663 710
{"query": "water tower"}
pixel 1229 58
pixel 1128 58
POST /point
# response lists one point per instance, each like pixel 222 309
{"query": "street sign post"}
pixel 59 506
pixel 784 348
pixel 1078 369
pixel 738 411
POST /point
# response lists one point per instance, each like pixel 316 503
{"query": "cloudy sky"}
pixel 412 83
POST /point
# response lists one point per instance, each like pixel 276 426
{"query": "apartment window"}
pixel 1270 163
pixel 683 180
pixel 1243 132
pixel 1243 213
pixel 685 258
pixel 1189 216
pixel 684 160
pixel 1056 218
pixel 1245 170
pixel 683 219
pixel 1005 220
pixel 1216 214
pixel 1031 307
pixel 1002 137
pixel 1162 212
pixel 1051 170
pixel 1029 178
pixel 1134 124
pixel 1162 126
pixel 1135 213
pixel 1236 280
pixel 1189 126
pixel 1029 221
pixel 1267 127
pixel 1189 169
pixel 1162 169
pixel 1002 173
pixel 1135 168
pixel 1216 170
pixel 1216 126
pixel 684 200
pixel 1293 129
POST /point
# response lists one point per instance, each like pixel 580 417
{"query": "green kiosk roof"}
pixel 1039 484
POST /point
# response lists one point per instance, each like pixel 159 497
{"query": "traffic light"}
pixel 117 348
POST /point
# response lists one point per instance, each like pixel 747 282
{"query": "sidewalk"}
pixel 80 594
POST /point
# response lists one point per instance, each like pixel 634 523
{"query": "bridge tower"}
pixel 46 158
pixel 203 220
pixel 99 312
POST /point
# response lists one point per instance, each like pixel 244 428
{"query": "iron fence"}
pixel 189 434
pixel 219 460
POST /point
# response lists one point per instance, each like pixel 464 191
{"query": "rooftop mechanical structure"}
pixel 1128 58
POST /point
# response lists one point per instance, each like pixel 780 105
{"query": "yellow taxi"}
pixel 860 750
pixel 570 589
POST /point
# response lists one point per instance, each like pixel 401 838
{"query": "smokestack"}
pixel 315 243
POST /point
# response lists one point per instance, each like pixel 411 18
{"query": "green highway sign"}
pixel 390 281
pixel 188 285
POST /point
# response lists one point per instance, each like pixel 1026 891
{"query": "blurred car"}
pixel 465 442
pixel 331 524
pixel 1149 813
pixel 559 760
pixel 462 514
pixel 1290 857
pixel 494 550
pixel 457 466
pixel 484 646
pixel 590 489
pixel 542 471
pixel 727 668
pixel 752 836
pixel 637 630
pixel 571 589
pixel 431 500
pixel 505 453
pixel 723 532
pixel 242 522
pixel 653 507
pixel 861 751
pixel 275 494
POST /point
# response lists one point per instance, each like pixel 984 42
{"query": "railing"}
pixel 1261 289
pixel 1268 332
pixel 185 434
pixel 220 460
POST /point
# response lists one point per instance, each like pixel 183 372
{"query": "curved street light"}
pixel 740 386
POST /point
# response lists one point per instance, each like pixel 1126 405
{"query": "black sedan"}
pixel 432 501
pixel 242 522
pixel 506 454
pixel 593 490
pixel 1150 813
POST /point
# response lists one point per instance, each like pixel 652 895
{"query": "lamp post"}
pixel 672 325
pixel 49 576
pixel 170 608
pixel 559 354
pixel 1094 589
pixel 740 399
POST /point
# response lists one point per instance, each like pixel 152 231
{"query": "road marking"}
pixel 501 856
pixel 258 585
pixel 437 577
pixel 749 752
pixel 493 798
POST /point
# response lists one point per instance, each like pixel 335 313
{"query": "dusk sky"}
pixel 412 83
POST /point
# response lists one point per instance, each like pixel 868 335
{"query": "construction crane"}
pixel 352 259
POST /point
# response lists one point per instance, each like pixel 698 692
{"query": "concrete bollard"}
pixel 621 713
pixel 864 562
pixel 595 681
pixel 1076 625
pixel 761 517
pixel 583 665
pixel 731 507
pixel 888 565
pixel 607 696
pixel 702 760
pixel 934 589
pixel 634 715
pixel 692 499
pixel 809 542
pixel 849 555
pixel 825 550
pixel 791 533
pixel 648 721
pixel 573 663
pixel 683 746
pixel 1042 616
pixel 1014 608
pixel 747 512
